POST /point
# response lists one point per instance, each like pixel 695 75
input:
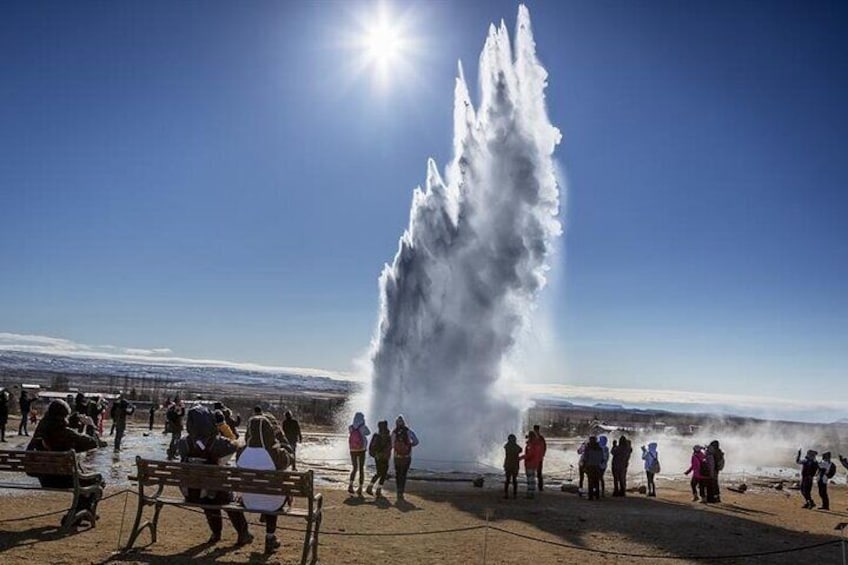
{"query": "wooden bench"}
pixel 55 463
pixel 160 474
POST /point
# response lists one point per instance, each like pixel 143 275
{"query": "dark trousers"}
pixel 601 473
pixel 119 434
pixel 293 445
pixel 357 459
pixel 823 494
pixel 175 439
pixel 807 489
pixel 699 487
pixel 511 476
pixel 22 427
pixel 619 480
pixel 652 488
pixel 216 521
pixel 3 431
pixel 713 494
pixel 402 465
pixel 539 476
pixel 382 471
pixel 594 474
pixel 581 471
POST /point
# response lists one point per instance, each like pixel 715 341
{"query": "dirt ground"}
pixel 666 529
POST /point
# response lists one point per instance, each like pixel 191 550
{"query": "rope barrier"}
pixel 63 511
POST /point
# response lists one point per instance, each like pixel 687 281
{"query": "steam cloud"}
pixel 472 261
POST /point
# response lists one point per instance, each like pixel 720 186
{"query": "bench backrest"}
pixel 39 462
pixel 229 479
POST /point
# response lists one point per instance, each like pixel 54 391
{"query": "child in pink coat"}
pixel 696 467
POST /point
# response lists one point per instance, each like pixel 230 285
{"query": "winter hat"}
pixel 400 422
pixel 812 453
pixel 697 448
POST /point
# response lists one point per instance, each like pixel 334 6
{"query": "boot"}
pixel 359 490
pixel 379 492
pixel 370 489
pixel 350 488
pixel 271 543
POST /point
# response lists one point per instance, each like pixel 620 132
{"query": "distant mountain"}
pixel 175 372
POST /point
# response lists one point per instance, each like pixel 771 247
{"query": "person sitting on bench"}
pixel 54 434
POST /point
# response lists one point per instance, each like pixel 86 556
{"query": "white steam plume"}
pixel 472 261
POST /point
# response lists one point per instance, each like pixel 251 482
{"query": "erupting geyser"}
pixel 472 261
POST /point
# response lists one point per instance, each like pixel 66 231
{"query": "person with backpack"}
pixel 700 470
pixel 380 449
pixel 202 444
pixel 809 469
pixel 403 440
pixel 827 470
pixel 715 464
pixel 263 451
pixel 512 458
pixel 174 422
pixel 652 466
pixel 357 440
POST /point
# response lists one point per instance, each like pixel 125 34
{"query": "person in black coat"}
pixel 24 403
pixel 4 413
pixel 809 469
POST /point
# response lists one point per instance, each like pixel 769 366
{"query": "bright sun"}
pixel 385 45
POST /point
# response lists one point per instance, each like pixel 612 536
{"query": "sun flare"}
pixel 385 45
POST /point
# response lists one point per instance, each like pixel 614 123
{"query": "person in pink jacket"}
pixel 696 466
pixel 533 453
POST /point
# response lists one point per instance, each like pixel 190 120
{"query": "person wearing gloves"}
pixel 403 440
pixel 652 466
pixel 809 469
pixel 263 451
pixel 357 440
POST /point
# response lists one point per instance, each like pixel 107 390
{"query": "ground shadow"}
pixel 9 540
pixel 662 527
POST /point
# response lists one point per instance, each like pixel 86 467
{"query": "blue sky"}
pixel 214 178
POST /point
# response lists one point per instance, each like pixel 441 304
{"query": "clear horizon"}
pixel 228 183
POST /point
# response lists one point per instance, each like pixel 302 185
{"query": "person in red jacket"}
pixel 544 447
pixel 532 457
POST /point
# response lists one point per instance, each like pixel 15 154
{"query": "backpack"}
pixel 719 459
pixel 356 441
pixel 704 469
pixel 377 446
pixel 402 446
pixel 654 467
pixel 831 471
pixel 200 422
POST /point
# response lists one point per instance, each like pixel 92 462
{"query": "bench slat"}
pixel 38 462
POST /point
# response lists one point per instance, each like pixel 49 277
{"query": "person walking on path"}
pixel 512 458
pixel 357 440
pixel 4 413
pixel 620 461
pixel 151 416
pixel 25 404
pixel 532 456
pixel 120 410
pixel 652 466
pixel 380 449
pixel 403 440
pixel 543 445
pixel 697 466
pixel 291 429
pixel 827 469
pixel 809 469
